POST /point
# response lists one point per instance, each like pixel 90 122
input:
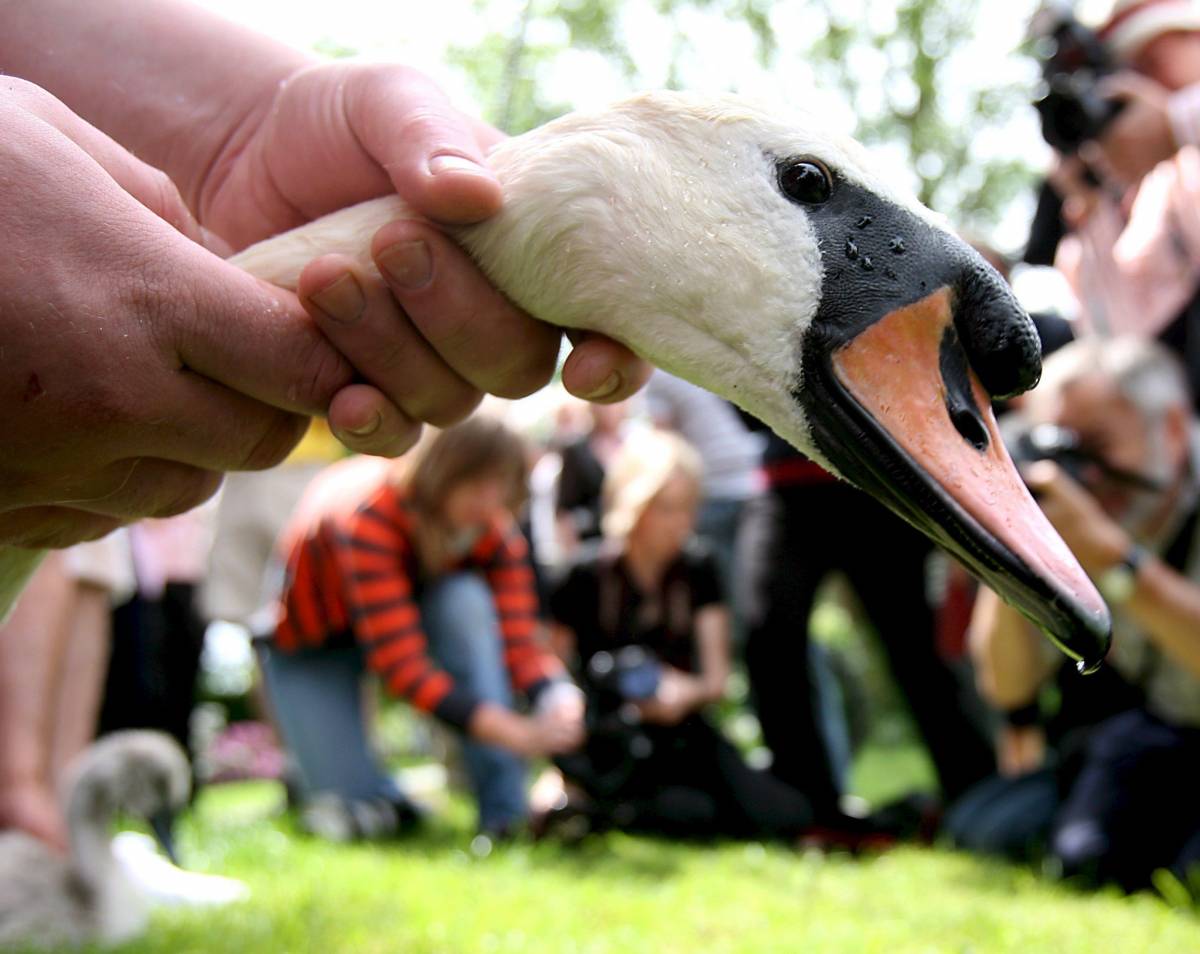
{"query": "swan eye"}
pixel 805 181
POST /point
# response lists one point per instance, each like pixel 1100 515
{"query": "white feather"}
pixel 657 222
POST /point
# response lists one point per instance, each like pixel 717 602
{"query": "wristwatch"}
pixel 1118 582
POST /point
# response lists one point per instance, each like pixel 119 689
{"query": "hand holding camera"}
pixel 1139 137
pixel 678 695
pixel 1095 539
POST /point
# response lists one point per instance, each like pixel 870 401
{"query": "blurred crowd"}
pixel 578 588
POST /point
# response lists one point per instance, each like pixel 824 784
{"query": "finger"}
pixel 50 528
pixel 603 370
pixel 478 332
pixel 126 490
pixel 430 149
pixel 359 315
pixel 150 186
pixel 363 419
pixel 226 325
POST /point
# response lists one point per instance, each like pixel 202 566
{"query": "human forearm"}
pixel 713 624
pixel 545 734
pixel 1167 606
pixel 1005 649
pixel 170 81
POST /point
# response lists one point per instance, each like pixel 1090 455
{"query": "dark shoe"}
pixel 841 832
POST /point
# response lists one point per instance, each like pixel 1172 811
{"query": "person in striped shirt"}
pixel 416 571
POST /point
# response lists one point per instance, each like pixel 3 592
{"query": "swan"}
pixel 766 259
pixel 50 901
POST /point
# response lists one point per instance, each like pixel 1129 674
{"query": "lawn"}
pixel 627 895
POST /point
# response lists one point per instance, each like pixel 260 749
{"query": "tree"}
pixel 913 101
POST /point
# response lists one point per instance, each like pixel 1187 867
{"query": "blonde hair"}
pixel 643 466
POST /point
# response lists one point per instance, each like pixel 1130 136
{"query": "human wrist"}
pixel 1118 583
pixel 495 725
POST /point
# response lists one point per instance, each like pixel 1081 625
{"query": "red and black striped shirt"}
pixel 351 575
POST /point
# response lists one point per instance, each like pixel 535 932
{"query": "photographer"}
pixel 1120 486
pixel 1129 175
pixel 652 761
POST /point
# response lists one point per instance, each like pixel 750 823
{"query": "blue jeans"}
pixel 316 698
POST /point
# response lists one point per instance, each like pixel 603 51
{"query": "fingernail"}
pixel 342 299
pixel 607 388
pixel 407 263
pixel 366 430
pixel 451 163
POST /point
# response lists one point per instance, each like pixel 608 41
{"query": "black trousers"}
pixel 691 781
pixel 816 530
pixel 1135 805
pixel 155 663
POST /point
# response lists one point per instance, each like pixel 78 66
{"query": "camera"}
pixel 614 682
pixel 631 674
pixel 1063 446
pixel 1073 61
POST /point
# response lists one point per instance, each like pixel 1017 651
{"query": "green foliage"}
pixel 934 123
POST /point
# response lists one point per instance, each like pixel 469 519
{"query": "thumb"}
pixel 433 153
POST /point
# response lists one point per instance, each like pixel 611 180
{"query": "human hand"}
pixel 135 365
pixel 1079 196
pixel 678 695
pixel 432 335
pixel 531 737
pixel 1140 136
pixel 1097 541
pixel 33 808
pixel 1020 750
pixel 557 731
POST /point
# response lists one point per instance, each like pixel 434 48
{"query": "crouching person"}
pixel 645 622
pixel 1116 797
pixel 415 570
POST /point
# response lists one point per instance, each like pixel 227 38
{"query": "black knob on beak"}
pixel 1000 339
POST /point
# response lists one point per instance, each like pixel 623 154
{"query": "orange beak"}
pixel 904 417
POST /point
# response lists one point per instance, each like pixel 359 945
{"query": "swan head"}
pixel 137 772
pixel 767 260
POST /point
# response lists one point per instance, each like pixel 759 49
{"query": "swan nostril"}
pixel 959 396
pixel 967 422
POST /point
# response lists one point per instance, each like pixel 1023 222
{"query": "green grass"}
pixel 626 895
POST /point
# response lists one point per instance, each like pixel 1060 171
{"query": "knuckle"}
pixel 163 198
pixel 530 372
pixel 322 372
pixel 188 490
pixel 275 442
pixel 445 408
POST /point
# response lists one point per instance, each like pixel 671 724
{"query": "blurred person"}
pixel 158 630
pixel 731 508
pixel 1157 42
pixel 252 509
pixel 651 590
pixel 581 478
pixel 416 572
pixel 1125 804
pixel 819 525
pixel 53 653
pixel 1131 199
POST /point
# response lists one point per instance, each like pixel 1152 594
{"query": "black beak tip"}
pixel 162 823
